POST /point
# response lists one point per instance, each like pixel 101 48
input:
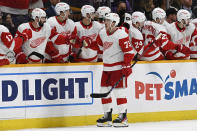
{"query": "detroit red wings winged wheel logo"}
pixel 107 45
pixel 35 43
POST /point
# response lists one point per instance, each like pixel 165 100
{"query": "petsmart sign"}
pixel 172 87
pixel 164 86
pixel 38 89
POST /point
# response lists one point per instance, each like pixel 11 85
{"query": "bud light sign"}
pixel 37 89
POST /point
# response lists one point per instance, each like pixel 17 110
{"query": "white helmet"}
pixel 158 13
pixel 138 17
pixel 103 11
pixel 113 17
pixel 37 12
pixel 127 18
pixel 87 9
pixel 183 15
pixel 61 7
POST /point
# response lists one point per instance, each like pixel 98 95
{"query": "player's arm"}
pixel 53 52
pixel 57 38
pixel 128 55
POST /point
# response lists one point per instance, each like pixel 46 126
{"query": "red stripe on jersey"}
pixel 113 64
pixel 121 101
pixel 106 100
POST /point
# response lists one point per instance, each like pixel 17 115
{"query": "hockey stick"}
pixel 101 95
pixel 37 54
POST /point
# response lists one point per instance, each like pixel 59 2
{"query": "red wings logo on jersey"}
pixel 107 45
pixel 35 43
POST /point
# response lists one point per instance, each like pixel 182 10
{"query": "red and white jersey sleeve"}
pixel 114 48
pixel 8 43
pixel 136 39
pixel 150 31
pixel 91 31
pixel 65 28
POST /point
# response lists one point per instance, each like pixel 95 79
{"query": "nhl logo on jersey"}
pixel 10 56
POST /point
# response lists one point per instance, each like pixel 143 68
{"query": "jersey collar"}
pixel 61 23
pixel 86 26
pixel 178 28
pixel 34 29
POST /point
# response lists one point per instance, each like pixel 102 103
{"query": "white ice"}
pixel 186 125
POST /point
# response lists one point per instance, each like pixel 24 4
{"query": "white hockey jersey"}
pixel 186 36
pixel 166 24
pixel 65 28
pixel 136 39
pixel 8 46
pixel 91 31
pixel 150 31
pixel 114 47
pixel 38 41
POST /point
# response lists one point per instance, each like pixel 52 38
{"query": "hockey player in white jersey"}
pixel 101 13
pixel 150 31
pixel 39 33
pixel 64 26
pixel 117 55
pixel 135 34
pixel 87 30
pixel 184 33
pixel 9 46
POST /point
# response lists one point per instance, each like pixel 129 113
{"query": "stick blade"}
pixel 98 95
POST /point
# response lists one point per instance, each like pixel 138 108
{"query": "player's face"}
pixel 173 18
pixel 107 24
pixel 142 24
pixel 186 22
pixel 160 21
pixel 91 15
pixel 64 15
pixel 42 21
